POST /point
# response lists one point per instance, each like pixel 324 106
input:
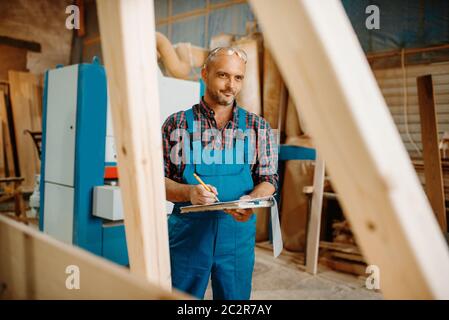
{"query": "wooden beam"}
pixel 129 51
pixel 398 52
pixel 34 266
pixel 314 222
pixel 335 91
pixel 2 148
pixel 22 44
pixel 433 171
pixel 8 146
pixel 26 106
pixel 81 32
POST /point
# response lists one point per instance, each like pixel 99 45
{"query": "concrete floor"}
pixel 284 278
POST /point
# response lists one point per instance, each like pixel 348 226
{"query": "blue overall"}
pixel 212 244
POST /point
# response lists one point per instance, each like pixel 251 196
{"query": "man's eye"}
pixel 238 78
pixel 221 75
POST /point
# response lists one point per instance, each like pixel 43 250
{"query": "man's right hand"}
pixel 199 194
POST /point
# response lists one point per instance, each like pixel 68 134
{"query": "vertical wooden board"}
pixel 12 58
pixel 297 175
pixel 313 228
pixel 129 49
pixel 272 90
pixel 250 97
pixel 26 106
pixel 292 126
pixel 327 74
pixel 2 149
pixel 433 171
pixel 36 266
pixel 6 137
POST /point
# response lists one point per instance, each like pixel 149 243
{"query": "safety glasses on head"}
pixel 229 51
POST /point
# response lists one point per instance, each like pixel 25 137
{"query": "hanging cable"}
pixel 405 100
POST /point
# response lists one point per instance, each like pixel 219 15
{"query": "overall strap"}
pixel 189 119
pixel 242 113
pixel 196 144
pixel 242 118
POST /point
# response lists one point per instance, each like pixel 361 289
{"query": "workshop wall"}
pixel 403 24
pixel 194 21
pixel 42 22
pixel 197 21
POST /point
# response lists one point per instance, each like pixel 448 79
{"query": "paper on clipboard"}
pixel 263 202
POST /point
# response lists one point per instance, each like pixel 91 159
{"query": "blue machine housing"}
pixel 89 232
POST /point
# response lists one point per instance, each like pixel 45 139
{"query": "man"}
pixel 217 245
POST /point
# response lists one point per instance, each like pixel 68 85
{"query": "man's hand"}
pixel 199 194
pixel 241 215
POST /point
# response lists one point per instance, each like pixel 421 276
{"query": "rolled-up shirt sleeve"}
pixel 172 130
pixel 167 128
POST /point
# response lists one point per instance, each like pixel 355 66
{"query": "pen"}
pixel 204 185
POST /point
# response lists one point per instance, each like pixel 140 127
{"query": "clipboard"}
pixel 263 202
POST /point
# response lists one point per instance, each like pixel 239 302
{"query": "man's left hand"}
pixel 241 215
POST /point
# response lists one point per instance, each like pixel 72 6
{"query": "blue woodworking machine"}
pixel 80 201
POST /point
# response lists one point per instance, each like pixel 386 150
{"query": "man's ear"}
pixel 204 74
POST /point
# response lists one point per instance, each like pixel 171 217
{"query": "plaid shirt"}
pixel 263 167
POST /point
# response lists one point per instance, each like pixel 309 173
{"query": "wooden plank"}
pixel 413 71
pixel 6 136
pixel 129 51
pixel 2 150
pixel 17 43
pixel 250 95
pixel 431 154
pixel 343 266
pixel 341 247
pixel 313 226
pixel 272 90
pixel 314 44
pixel 440 89
pixel 348 256
pixel 26 105
pixel 413 100
pixel 386 82
pixel 12 58
pixel 33 266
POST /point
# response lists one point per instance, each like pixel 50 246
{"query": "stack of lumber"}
pixel 343 257
pixel 342 233
pixel 20 111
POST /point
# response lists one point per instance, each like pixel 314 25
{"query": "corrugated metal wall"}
pixel 391 84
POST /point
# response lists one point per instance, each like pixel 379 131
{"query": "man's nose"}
pixel 230 84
